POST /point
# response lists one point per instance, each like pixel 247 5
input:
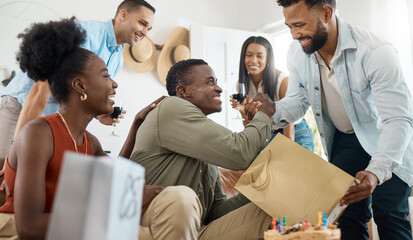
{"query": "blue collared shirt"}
pixel 375 95
pixel 100 39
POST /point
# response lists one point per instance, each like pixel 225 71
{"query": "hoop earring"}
pixel 83 97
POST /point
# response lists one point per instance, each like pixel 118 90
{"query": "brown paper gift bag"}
pixel 288 180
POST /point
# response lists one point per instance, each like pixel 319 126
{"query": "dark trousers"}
pixel 389 200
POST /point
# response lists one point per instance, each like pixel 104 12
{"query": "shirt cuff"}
pixel 263 123
pixel 277 117
pixel 263 117
pixel 382 173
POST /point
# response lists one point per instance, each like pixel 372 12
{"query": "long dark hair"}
pixel 270 74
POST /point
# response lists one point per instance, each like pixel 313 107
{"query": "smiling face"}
pixel 202 90
pixel 135 25
pixel 99 87
pixel 255 59
pixel 306 26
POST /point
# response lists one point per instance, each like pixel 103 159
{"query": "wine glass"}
pixel 117 110
pixel 239 95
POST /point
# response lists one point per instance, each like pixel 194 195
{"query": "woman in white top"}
pixel 257 71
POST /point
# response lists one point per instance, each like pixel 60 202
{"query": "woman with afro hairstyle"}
pixel 80 81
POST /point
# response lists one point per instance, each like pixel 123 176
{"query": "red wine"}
pixel 116 112
pixel 239 97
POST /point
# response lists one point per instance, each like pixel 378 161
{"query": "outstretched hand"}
pixel 261 103
pixel 127 148
pixel 251 108
pixel 149 193
pixel 366 182
pixel 141 115
pixel 105 119
pixel 237 105
pixel 234 103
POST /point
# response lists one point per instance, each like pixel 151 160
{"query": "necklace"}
pixel 67 127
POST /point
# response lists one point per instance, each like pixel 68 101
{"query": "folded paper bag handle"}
pixel 267 164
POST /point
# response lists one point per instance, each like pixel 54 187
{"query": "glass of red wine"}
pixel 117 110
pixel 239 95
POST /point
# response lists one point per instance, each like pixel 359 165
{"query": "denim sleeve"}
pixel 394 104
pixel 295 104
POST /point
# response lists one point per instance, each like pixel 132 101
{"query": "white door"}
pixel 221 49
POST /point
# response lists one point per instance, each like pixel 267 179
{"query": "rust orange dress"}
pixel 62 141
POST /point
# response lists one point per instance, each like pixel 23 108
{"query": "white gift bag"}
pixel 97 198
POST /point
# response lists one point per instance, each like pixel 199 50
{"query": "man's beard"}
pixel 318 40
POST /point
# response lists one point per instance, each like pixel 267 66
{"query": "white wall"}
pixel 391 19
pixel 21 15
pixel 252 15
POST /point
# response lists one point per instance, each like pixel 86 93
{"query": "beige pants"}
pixel 7 227
pixel 174 214
pixel 9 114
pixel 247 222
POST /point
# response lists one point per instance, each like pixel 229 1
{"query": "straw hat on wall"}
pixel 141 57
pixel 175 49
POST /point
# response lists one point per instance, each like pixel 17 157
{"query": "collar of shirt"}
pixel 111 40
pixel 335 56
pixel 345 40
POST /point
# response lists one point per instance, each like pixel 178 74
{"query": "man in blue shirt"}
pixel 133 20
pixel 363 108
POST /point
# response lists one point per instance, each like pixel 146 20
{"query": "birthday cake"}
pixel 299 231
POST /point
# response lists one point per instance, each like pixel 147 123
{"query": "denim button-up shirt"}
pixel 100 39
pixel 375 95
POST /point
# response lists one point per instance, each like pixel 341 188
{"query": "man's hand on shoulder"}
pixel 141 115
pixel 366 182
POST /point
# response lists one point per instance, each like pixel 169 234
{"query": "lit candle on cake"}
pixel 319 218
pixel 325 220
pixel 279 226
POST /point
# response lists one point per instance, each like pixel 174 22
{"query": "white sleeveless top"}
pixel 253 91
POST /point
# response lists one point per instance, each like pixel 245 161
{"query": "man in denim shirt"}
pixel 132 21
pixel 363 108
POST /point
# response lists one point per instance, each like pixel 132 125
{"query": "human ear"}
pixel 327 13
pixel 79 85
pixel 123 14
pixel 181 91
